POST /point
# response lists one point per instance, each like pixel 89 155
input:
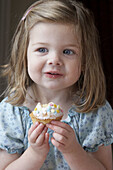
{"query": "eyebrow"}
pixel 41 43
pixel 72 45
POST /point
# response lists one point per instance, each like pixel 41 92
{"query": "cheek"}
pixel 33 65
pixel 32 68
pixel 30 72
pixel 34 74
pixel 76 70
pixel 35 68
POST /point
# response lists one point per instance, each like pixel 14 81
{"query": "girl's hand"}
pixel 65 140
pixel 63 137
pixel 38 139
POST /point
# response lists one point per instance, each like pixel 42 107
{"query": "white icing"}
pixel 47 111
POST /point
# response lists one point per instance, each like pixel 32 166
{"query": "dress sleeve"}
pixel 11 128
pixel 96 128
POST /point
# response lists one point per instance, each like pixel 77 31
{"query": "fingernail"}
pixel 41 124
pixel 36 123
pixel 53 121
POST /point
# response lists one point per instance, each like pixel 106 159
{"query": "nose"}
pixel 54 60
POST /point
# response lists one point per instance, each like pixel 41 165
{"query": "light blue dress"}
pixel 92 130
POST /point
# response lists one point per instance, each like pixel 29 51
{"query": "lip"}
pixel 53 74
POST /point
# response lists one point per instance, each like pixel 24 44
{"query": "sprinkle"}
pixel 49 108
pixel 52 110
pixel 55 105
pixel 58 107
pixel 57 111
pixel 61 110
pixel 35 109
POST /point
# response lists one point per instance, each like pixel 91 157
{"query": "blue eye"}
pixel 68 52
pixel 42 50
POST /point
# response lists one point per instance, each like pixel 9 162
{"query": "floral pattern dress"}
pixel 92 130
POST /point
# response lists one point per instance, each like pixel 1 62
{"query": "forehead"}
pixel 44 30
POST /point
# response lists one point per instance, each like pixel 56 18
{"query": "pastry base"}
pixel 44 121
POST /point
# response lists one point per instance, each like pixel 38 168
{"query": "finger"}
pixel 61 124
pixel 41 138
pixel 46 138
pixel 60 138
pixel 37 131
pixel 57 144
pixel 33 126
pixel 58 129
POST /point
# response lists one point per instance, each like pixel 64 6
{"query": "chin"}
pixel 54 88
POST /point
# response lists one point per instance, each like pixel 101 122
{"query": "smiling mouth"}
pixel 53 75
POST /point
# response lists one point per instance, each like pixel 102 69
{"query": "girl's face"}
pixel 53 56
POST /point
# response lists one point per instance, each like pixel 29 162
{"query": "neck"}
pixel 46 96
pixel 62 97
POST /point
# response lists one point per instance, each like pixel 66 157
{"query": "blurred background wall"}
pixel 10 13
pixel 12 10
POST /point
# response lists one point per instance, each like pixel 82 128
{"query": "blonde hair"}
pixel 91 84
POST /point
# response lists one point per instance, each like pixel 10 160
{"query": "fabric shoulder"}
pixel 93 129
pixel 13 122
pixel 96 128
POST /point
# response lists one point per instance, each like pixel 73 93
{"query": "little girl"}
pixel 55 58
